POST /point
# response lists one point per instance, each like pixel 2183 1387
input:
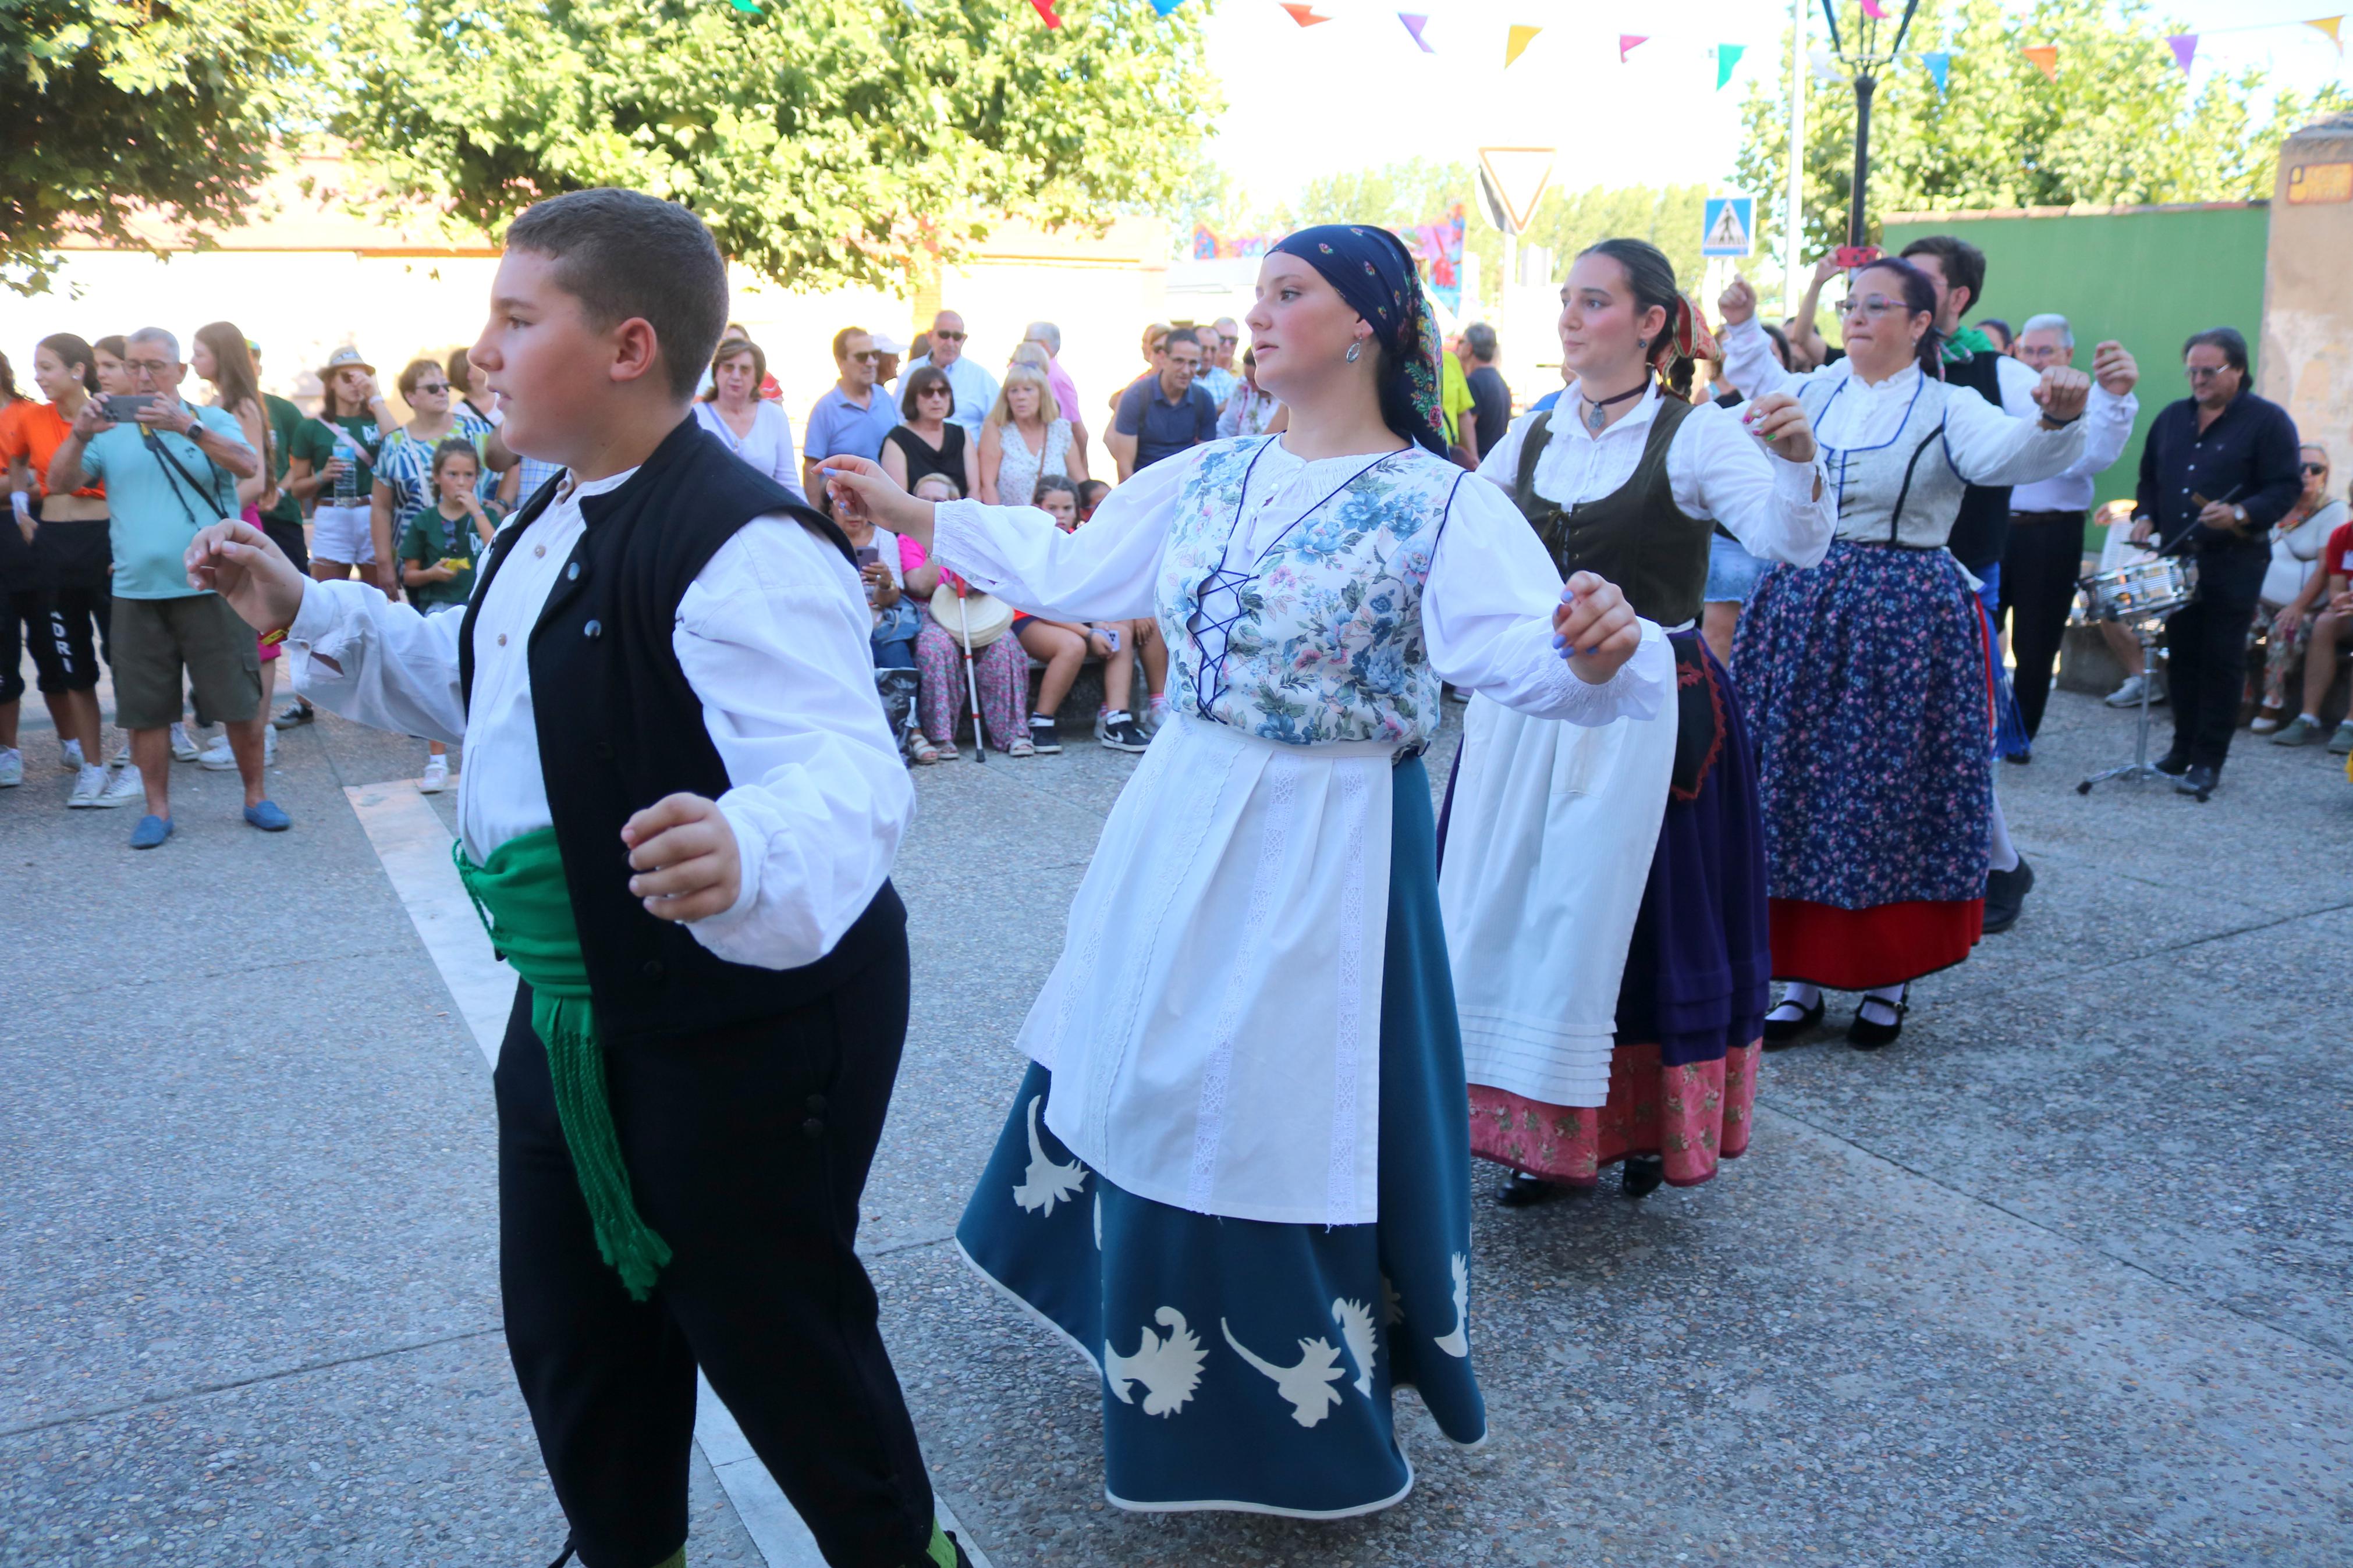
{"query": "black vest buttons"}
pixel 573 571
pixel 652 969
pixel 817 1105
pixel 593 629
pixel 813 1128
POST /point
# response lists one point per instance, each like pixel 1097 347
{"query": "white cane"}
pixel 972 684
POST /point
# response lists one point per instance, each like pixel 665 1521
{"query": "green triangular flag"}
pixel 1727 55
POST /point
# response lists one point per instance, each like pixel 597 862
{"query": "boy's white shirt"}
pixel 772 635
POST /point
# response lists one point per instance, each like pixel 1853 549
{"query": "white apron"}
pixel 1225 949
pixel 1548 847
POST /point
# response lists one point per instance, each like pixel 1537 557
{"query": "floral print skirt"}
pixel 1001 671
pixel 1869 691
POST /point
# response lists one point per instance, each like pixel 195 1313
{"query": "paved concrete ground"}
pixel 2059 1278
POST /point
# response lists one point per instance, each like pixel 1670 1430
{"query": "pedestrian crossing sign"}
pixel 1729 228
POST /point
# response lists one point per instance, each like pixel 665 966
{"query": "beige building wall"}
pixel 2306 360
pixel 307 278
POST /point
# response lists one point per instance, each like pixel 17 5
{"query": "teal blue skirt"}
pixel 1248 1365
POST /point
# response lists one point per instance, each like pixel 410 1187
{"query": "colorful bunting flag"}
pixel 1046 9
pixel 1517 42
pixel 1727 55
pixel 1165 6
pixel 2328 26
pixel 1303 14
pixel 1629 42
pixel 1825 66
pixel 752 7
pixel 1940 66
pixel 1414 25
pixel 1870 8
pixel 2185 49
pixel 2045 58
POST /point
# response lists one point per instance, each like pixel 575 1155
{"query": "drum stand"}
pixel 2145 632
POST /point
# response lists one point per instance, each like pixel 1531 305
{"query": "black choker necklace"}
pixel 1593 419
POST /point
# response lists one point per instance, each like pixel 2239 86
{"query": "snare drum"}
pixel 2142 590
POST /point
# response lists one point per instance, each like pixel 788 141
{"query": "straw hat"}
pixel 345 358
pixel 988 616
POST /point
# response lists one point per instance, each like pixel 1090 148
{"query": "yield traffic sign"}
pixel 1518 176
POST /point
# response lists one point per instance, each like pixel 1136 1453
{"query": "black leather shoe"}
pixel 1864 1035
pixel 2021 758
pixel 2173 764
pixel 2005 895
pixel 2199 781
pixel 1521 1191
pixel 1779 1032
pixel 1641 1175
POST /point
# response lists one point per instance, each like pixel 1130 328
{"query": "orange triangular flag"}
pixel 1517 42
pixel 1303 14
pixel 2328 26
pixel 2045 58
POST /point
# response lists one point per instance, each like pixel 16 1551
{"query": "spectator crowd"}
pixel 122 445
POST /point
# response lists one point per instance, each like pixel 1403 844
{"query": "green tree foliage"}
pixel 165 109
pixel 2120 125
pixel 826 142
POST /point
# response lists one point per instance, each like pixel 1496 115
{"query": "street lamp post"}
pixel 1865 62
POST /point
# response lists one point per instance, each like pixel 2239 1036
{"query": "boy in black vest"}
pixel 678 814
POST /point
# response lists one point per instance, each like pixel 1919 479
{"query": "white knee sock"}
pixel 2004 856
pixel 1795 1002
pixel 1887 997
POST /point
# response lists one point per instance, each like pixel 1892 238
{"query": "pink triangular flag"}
pixel 1870 9
pixel 1414 25
pixel 1627 43
pixel 1046 9
pixel 2185 49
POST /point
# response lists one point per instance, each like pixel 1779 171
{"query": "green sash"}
pixel 524 905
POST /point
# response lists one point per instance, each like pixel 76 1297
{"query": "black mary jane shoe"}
pixel 1521 1191
pixel 1864 1035
pixel 1780 1031
pixel 1641 1175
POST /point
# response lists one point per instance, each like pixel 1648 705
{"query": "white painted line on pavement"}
pixel 413 845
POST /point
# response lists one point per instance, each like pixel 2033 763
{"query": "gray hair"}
pixel 1047 333
pixel 1480 339
pixel 155 336
pixel 2051 322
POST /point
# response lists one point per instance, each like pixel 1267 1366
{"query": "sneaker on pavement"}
pixel 89 786
pixel 1044 736
pixel 218 758
pixel 11 768
pixel 437 777
pixel 266 816
pixel 2341 743
pixel 184 745
pixel 2300 731
pixel 74 759
pixel 121 789
pixel 2128 694
pixel 1123 733
pixel 122 756
pixel 293 713
pixel 152 831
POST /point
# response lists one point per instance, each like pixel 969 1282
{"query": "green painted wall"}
pixel 2147 278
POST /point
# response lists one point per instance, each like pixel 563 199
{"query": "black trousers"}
pixel 2206 650
pixel 2040 564
pixel 747 1151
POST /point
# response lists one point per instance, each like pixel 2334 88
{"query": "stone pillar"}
pixel 2305 360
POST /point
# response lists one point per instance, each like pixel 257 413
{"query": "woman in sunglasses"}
pixel 2293 584
pixel 1866 677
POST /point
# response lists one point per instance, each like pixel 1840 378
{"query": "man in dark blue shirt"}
pixel 1163 414
pixel 2218 469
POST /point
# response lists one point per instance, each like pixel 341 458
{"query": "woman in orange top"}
pixel 65 605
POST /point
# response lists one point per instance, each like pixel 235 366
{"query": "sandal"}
pixel 2268 718
pixel 1022 746
pixel 920 750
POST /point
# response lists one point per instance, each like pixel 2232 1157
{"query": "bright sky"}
pixel 1355 91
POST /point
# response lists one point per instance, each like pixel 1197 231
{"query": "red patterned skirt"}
pixel 1691 1116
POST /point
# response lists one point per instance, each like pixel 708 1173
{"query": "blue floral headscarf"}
pixel 1373 272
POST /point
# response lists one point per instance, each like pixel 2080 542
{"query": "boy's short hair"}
pixel 1964 263
pixel 623 254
